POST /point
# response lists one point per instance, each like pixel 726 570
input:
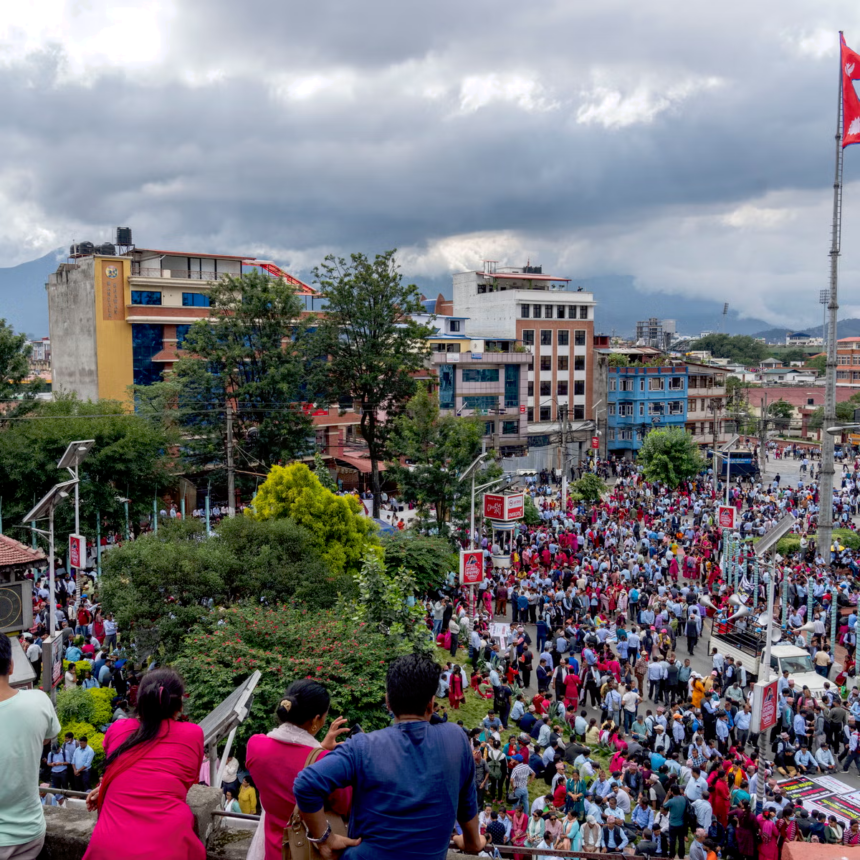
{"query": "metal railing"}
pixel 180 274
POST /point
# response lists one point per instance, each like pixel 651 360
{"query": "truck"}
pixel 743 465
pixel 747 649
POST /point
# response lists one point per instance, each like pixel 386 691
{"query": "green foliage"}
pixel 253 351
pixel 102 710
pixel 287 643
pixel 80 665
pixel 339 532
pixel 618 359
pixel 383 603
pixel 428 559
pixel 531 513
pixel 589 487
pixel 323 474
pixel 440 447
pixel 14 366
pixel 87 730
pixel 740 348
pixel 129 458
pixel 373 344
pixel 670 456
pixel 789 355
pixel 790 544
pixel 818 362
pixel 76 705
pixel 490 470
pixel 844 412
pixel 780 412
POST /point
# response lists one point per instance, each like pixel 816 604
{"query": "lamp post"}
pixel 71 460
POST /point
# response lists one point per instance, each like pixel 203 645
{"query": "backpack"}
pixel 494 766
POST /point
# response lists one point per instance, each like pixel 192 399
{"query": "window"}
pixel 146 341
pixel 510 428
pixel 613 384
pixel 578 413
pixel 561 389
pixel 559 312
pixel 452 347
pixel 145 297
pixel 579 337
pixel 583 312
pixel 692 405
pixel 531 389
pixel 655 408
pixel 489 428
pixel 625 409
pixel 446 386
pixel 579 362
pixel 546 389
pixel 530 415
pixel 676 407
pixel 655 384
pixel 641 408
pixel 195 300
pixel 529 337
pixel 453 325
pixel 546 362
pixel 563 338
pixel 625 385
pixel 524 311
pixel 676 383
pixel 641 384
pixel 563 362
pixel 536 309
pixel 578 387
pixel 546 337
pixel 547 312
pixel 545 413
pixel 480 374
pixel 512 385
pixel 694 382
pixel 612 409
pixel 181 334
pixel 481 401
pixel 611 434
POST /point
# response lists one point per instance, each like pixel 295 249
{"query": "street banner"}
pixel 52 662
pixel 471 566
pixel 764 705
pixel 77 552
pixel 803 788
pixel 845 807
pixel 498 506
pixel 726 517
pixel 833 784
pixel 595 442
pixel 514 506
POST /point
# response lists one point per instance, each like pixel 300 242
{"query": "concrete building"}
pixel 655 332
pixel 707 421
pixel 848 362
pixel 554 322
pixel 801 338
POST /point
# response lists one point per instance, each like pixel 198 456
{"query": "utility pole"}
pixel 825 512
pixel 762 435
pixel 231 473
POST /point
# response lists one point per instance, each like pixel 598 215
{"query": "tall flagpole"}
pixel 825 513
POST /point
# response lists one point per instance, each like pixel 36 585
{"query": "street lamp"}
pixel 75 454
pixel 124 502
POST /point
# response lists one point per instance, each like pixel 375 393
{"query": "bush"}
pixel 94 738
pixel 589 487
pixel 102 709
pixel 76 705
pixel 287 643
pixel 428 559
pixel 80 665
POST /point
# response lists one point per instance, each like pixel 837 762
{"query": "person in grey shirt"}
pixel 697 846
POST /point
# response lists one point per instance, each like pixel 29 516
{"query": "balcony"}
pixel 144 273
pixel 485 358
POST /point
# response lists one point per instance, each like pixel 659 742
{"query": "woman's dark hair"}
pixel 159 697
pixel 303 701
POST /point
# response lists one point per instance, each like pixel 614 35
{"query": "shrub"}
pixel 79 665
pixel 94 738
pixel 428 559
pixel 102 708
pixel 75 705
pixel 287 643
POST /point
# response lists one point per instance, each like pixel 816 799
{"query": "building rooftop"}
pixel 15 554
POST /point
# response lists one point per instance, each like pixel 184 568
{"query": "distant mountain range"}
pixel 23 300
pixel 844 328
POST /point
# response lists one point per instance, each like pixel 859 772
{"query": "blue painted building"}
pixel 641 398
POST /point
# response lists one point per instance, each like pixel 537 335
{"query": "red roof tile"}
pixel 14 553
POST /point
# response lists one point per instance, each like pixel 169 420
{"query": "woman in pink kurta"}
pixel 768 834
pixel 142 808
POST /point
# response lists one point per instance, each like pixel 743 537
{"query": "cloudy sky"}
pixel 689 145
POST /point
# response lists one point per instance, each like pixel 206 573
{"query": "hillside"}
pixel 23 300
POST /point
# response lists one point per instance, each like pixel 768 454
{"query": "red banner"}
pixel 471 566
pixel 850 101
pixel 726 517
pixel 494 506
pixel 595 442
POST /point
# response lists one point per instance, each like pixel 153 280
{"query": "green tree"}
pixel 781 413
pixel 670 456
pixel 844 413
pixel 439 447
pixel 254 354
pixel 531 513
pixel 341 533
pixel 374 347
pixel 323 474
pixel 618 359
pixel 789 355
pixel 737 404
pixel 589 487
pixel 740 348
pixel 14 367
pixel 818 362
pixel 129 459
pixel 428 559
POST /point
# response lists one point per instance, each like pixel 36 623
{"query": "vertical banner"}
pixel 471 566
pixel 52 662
pixel 726 517
pixel 77 552
pixel 765 709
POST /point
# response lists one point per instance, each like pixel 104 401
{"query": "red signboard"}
pixel 726 517
pixel 515 506
pixel 595 442
pixel 769 709
pixel 77 552
pixel 522 410
pixel 494 506
pixel 471 566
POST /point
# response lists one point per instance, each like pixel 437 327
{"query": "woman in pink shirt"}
pixel 275 760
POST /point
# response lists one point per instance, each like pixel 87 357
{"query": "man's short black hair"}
pixel 5 655
pixel 411 683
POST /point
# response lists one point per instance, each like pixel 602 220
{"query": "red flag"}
pixel 850 100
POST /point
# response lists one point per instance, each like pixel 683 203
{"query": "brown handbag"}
pixel 296 845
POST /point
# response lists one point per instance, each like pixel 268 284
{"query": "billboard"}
pixel 52 662
pixel 77 552
pixel 504 507
pixel 595 442
pixel 726 517
pixel 471 566
pixel 765 708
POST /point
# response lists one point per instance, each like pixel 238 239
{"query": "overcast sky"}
pixel 689 145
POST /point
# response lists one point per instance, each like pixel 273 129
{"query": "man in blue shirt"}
pixel 410 771
pixel 82 760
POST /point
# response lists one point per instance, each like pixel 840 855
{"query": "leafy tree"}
pixel 618 359
pixel 670 456
pixel 737 404
pixel 255 354
pixel 373 345
pixel 818 362
pixel 14 351
pixel 341 533
pixel 589 487
pixel 789 355
pixel 428 559
pixel 844 412
pixel 461 512
pixel 439 446
pixel 323 474
pixel 740 348
pixel 383 602
pixel 287 643
pixel 780 412
pixel 129 459
pixel 531 513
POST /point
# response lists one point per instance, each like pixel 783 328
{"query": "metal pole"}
pixel 98 544
pixel 762 743
pixel 33 534
pixel 825 513
pixel 231 474
pixel 808 608
pixel 155 515
pixel 784 599
pixel 472 516
pixel 127 532
pixel 182 506
pixel 833 619
pixel 207 511
pixel 52 596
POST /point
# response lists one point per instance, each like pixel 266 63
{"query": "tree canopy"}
pixel 740 348
pixel 428 559
pixel 374 347
pixel 14 366
pixel 670 456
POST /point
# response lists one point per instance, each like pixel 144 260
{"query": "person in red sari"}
pixel 720 799
pixel 768 836
pixel 152 761
pixel 455 691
